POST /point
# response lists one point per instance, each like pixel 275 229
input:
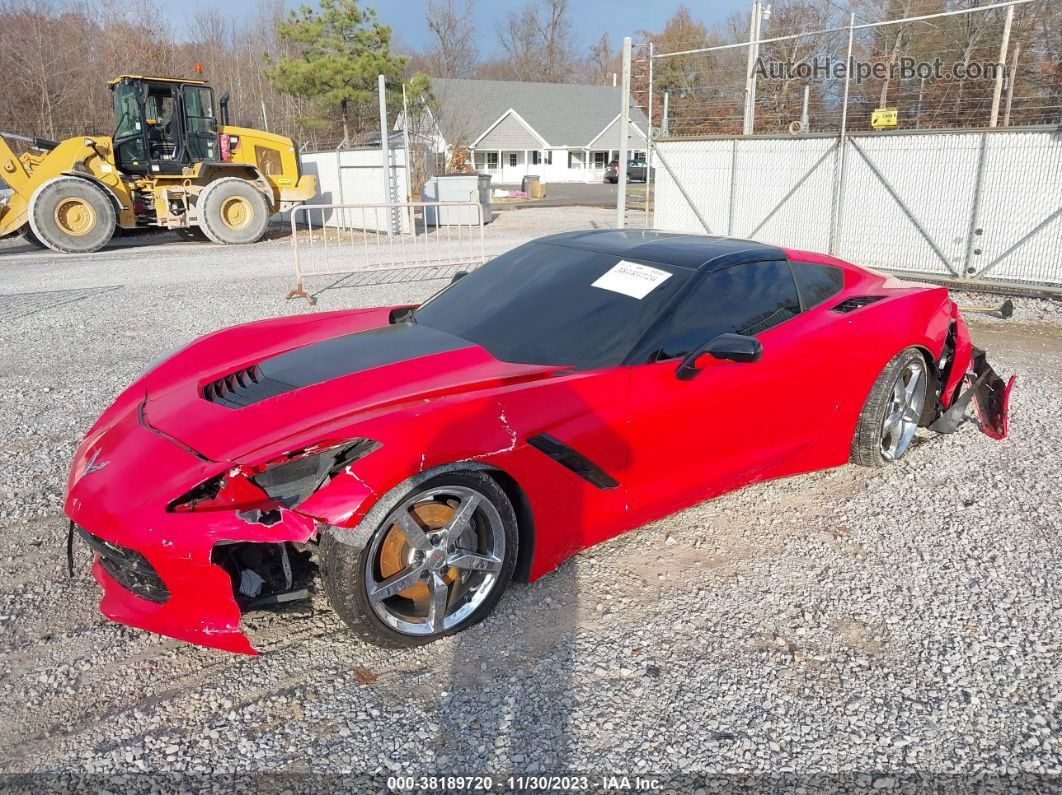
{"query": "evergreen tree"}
pixel 341 50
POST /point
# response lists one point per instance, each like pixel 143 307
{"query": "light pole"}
pixel 759 13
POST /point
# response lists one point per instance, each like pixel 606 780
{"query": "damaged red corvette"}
pixel 419 458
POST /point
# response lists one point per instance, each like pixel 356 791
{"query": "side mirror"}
pixel 400 314
pixel 726 347
pixel 458 276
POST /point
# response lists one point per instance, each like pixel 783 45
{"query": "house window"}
pixel 536 157
pixel 512 159
pixel 540 158
pixel 492 159
pixel 600 159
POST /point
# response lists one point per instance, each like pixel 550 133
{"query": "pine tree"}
pixel 342 49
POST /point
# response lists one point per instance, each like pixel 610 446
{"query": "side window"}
pixel 743 299
pixel 817 282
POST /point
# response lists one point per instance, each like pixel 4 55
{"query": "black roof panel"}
pixel 671 248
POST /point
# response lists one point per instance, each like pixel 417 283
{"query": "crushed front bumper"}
pixel 154 565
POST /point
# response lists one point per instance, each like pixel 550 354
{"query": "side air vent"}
pixel 244 387
pixel 573 460
pixel 852 304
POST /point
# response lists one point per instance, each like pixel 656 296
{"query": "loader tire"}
pixel 28 237
pixel 72 215
pixel 233 211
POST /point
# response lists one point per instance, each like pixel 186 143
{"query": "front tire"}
pixel 233 211
pixel 892 412
pixel 72 215
pixel 437 562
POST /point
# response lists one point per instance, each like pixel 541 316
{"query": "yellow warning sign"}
pixel 883 117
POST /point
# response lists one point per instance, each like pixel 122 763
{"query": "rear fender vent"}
pixel 858 302
pixel 242 388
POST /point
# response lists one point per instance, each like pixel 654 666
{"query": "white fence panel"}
pixel 958 205
pixel 933 177
pixel 704 169
pixel 1019 216
pixel 780 187
pixel 354 176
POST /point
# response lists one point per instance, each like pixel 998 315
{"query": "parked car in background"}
pixel 637 171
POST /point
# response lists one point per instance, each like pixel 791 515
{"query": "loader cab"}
pixel 163 125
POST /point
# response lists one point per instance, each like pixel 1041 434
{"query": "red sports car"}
pixel 576 387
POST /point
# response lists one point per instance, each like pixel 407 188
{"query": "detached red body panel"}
pixel 168 473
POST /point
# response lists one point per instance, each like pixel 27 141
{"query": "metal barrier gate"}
pixel 337 239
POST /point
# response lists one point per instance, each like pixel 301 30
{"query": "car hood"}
pixel 237 408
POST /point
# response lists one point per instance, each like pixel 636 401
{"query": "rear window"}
pixel 817 282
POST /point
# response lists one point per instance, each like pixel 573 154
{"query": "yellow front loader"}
pixel 168 164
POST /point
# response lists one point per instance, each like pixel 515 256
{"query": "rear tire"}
pixel 28 237
pixel 470 590
pixel 892 412
pixel 233 211
pixel 72 215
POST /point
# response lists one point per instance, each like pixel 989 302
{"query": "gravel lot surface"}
pixel 849 621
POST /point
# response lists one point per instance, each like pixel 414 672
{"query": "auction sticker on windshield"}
pixel 630 278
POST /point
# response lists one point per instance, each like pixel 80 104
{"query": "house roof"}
pixel 563 114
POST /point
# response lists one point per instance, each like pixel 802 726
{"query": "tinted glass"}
pixel 743 299
pixel 817 282
pixel 202 126
pixel 126 111
pixel 537 304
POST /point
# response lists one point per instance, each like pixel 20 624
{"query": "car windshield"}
pixel 549 304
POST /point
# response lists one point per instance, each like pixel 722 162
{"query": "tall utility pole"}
pixel 625 128
pixel 759 13
pixel 385 149
pixel 1001 67
pixel 407 156
pixel 921 93
pixel 1010 84
pixel 663 120
pixel 649 142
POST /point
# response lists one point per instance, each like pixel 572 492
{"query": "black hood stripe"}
pixel 330 359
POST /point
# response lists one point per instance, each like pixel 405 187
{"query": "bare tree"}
pixel 538 41
pixel 454 53
pixel 602 60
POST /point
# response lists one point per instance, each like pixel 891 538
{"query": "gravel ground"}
pixel 863 623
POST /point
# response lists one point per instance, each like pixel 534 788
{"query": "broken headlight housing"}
pixel 292 480
pixel 285 481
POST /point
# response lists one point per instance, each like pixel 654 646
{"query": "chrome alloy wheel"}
pixel 435 560
pixel 903 410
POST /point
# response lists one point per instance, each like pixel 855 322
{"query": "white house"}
pixel 561 132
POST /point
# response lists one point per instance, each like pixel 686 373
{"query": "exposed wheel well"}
pixel 929 408
pixel 525 520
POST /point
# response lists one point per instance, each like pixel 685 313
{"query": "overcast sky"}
pixel 590 18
